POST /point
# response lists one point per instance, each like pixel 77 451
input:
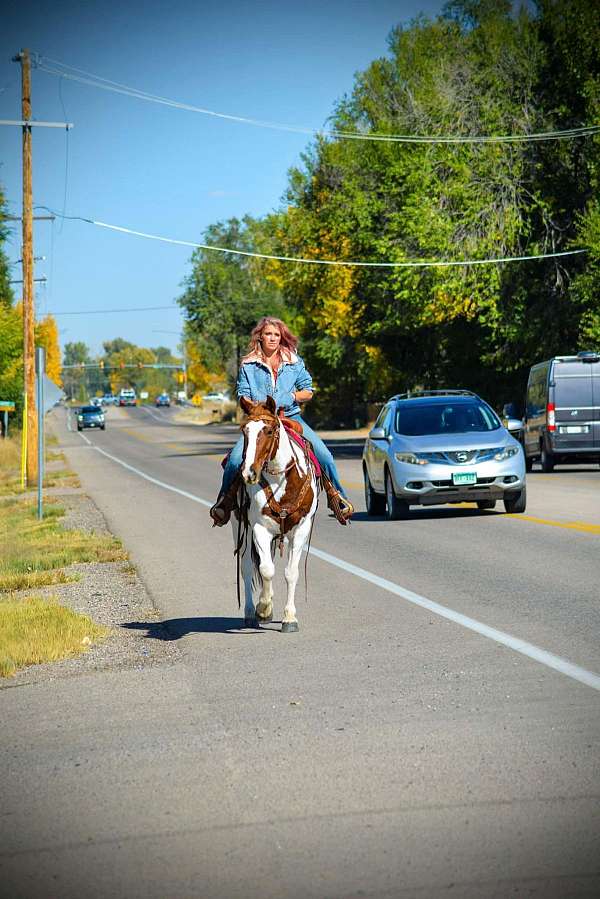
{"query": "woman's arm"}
pixel 302 396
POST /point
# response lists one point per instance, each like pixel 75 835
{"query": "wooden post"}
pixel 28 295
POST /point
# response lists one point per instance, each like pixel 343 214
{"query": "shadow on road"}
pixel 346 448
pixel 421 513
pixel 176 628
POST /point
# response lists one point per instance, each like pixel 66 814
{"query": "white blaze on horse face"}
pixel 249 472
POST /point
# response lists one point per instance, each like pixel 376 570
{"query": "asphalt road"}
pixel 432 729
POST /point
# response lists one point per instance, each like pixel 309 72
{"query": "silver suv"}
pixel 441 446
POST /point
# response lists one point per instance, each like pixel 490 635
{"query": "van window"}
pixel 536 392
pixel 570 392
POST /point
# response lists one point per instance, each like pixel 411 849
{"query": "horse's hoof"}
pixel 264 619
pixel 289 627
pixel 250 622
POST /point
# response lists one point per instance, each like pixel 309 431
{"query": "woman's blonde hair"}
pixel 289 341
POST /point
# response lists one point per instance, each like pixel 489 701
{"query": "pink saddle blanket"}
pixel 301 441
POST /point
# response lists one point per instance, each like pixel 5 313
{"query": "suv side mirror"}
pixel 377 434
pixel 514 424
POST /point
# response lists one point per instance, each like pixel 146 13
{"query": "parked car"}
pixel 163 399
pixel 562 411
pixel 109 400
pixel 90 417
pixel 441 446
pixel 216 398
pixel 127 397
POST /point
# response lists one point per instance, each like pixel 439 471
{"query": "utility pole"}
pixel 27 254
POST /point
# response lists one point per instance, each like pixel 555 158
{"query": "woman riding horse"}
pixel 273 368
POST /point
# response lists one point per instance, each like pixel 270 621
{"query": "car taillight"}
pixel 551 417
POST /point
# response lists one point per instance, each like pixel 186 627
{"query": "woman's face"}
pixel 270 339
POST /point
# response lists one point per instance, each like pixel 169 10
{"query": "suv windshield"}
pixel 419 419
pixel 91 410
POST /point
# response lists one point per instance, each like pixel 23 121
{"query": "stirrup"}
pixel 341 507
pixel 220 512
pixel 224 506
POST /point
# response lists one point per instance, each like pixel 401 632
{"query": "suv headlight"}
pixel 506 453
pixel 409 459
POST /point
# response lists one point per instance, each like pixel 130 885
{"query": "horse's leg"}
pixel 262 540
pixel 297 539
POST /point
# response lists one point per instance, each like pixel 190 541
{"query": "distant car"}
pixel 96 401
pixel 163 399
pixel 90 417
pixel 108 399
pixel 441 446
pixel 215 398
pixel 127 397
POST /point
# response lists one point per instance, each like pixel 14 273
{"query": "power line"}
pixel 358 264
pixel 62 70
pixel 107 311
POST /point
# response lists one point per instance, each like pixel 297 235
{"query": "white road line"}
pixel 557 663
pixel 147 477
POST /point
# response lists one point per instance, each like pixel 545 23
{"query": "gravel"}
pixel 112 594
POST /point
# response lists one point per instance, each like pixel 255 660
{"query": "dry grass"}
pixel 35 630
pixel 10 462
pixel 33 550
pixel 10 467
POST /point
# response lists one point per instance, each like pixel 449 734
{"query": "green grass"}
pixel 35 630
pixel 33 550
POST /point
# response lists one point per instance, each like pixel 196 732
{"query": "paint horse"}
pixel 280 483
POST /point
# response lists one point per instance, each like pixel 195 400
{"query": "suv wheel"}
pixel 395 508
pixel 374 502
pixel 546 460
pixel 528 464
pixel 515 500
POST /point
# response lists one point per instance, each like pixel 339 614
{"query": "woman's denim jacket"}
pixel 256 381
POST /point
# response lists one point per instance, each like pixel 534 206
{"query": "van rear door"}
pixel 595 367
pixel 575 410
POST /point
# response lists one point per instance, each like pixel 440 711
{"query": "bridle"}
pixel 272 421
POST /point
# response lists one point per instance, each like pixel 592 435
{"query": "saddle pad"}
pixel 303 442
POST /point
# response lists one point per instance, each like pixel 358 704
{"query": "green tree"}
pixel 226 294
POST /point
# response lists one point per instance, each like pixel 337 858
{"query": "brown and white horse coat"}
pixel 281 487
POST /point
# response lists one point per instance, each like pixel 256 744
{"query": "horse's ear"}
pixel 247 404
pixel 270 404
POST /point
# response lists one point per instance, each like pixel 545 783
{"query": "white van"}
pixel 127 397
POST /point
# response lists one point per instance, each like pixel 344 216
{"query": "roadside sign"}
pixel 7 406
pixel 144 395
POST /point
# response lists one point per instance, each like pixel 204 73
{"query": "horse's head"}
pixel 261 437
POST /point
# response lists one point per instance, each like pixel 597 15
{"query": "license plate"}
pixel 574 429
pixel 464 477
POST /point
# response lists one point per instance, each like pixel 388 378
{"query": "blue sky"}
pixel 162 170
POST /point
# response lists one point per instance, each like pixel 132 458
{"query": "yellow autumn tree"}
pixel 46 335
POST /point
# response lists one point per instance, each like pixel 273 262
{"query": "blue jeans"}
pixel 323 455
